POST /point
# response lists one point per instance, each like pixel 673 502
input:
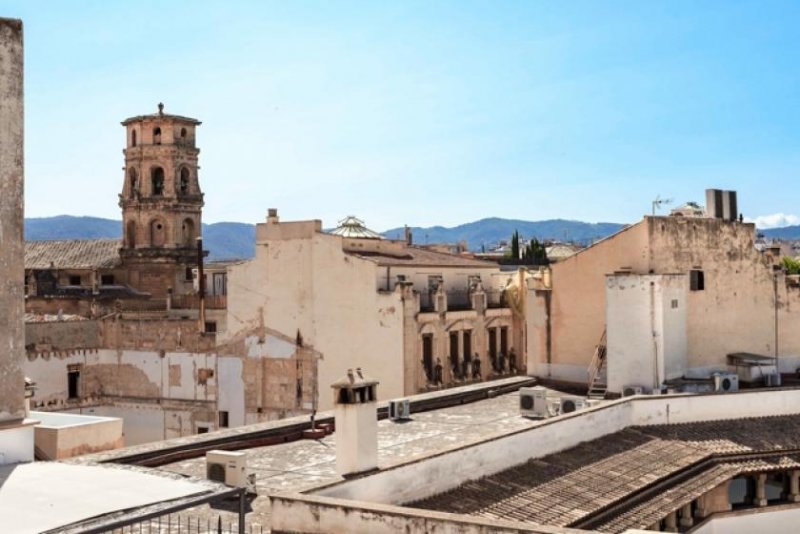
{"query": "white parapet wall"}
pixel 64 435
pixel 438 473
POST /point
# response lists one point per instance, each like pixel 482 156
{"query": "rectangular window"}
pixel 467 340
pixel 211 327
pixel 188 275
pixel 223 419
pixel 107 280
pixel 73 383
pixel 202 430
pixel 697 280
pixel 74 280
pixel 674 304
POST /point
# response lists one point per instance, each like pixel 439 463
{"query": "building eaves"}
pixel 161 117
pixel 419 257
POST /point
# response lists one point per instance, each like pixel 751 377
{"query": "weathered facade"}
pixel 161 202
pixel 733 299
pixel 419 319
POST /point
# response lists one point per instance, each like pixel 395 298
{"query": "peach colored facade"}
pixel 745 296
pixel 357 303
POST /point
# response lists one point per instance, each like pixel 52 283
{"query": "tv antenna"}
pixel 658 202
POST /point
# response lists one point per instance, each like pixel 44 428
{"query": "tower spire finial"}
pixel 160 108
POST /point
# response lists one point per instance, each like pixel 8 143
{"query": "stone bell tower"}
pixel 161 202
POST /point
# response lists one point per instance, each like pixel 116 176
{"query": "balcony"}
pixel 459 300
pixel 192 302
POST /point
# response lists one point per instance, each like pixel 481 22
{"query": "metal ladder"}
pixel 597 371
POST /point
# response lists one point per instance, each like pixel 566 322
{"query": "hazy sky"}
pixel 423 113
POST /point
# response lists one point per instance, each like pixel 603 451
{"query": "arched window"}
pixel 158 233
pixel 134 181
pixel 131 234
pixel 184 183
pixel 157 179
pixel 157 135
pixel 183 133
pixel 133 137
pixel 188 232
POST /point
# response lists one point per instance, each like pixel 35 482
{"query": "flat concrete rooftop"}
pixel 41 496
pixel 307 464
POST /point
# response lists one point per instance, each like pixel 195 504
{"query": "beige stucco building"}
pixel 363 301
pixel 682 292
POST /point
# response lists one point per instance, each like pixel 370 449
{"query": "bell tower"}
pixel 161 202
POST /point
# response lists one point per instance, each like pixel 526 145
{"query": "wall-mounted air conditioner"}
pixel 399 410
pixel 629 391
pixel 726 382
pixel 533 402
pixel 230 468
pixel 572 404
pixel 772 380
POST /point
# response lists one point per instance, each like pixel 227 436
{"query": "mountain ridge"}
pixel 233 240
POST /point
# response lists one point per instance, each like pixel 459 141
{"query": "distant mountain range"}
pixel 230 240
pixel 486 232
pixel 224 241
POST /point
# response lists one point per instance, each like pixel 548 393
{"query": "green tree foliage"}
pixel 535 253
pixel 791 265
pixel 515 245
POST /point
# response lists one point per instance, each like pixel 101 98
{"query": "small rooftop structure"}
pixel 689 209
pixel 352 226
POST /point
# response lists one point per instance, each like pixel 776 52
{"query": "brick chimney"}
pixel 356 412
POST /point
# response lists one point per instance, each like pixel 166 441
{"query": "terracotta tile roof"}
pixel 72 254
pixel 415 256
pixel 572 486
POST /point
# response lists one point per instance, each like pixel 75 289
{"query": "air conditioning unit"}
pixel 628 391
pixel 772 380
pixel 533 402
pixel 726 382
pixel 572 404
pixel 230 468
pixel 399 410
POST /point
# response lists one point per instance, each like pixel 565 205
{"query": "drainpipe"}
pixel 775 299
pixel 201 287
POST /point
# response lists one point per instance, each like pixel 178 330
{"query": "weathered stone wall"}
pixel 12 271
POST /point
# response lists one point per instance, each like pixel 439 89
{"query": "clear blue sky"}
pixel 424 113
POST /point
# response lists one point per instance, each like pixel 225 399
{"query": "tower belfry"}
pixel 161 202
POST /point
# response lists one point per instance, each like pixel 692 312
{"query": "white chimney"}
pixel 355 408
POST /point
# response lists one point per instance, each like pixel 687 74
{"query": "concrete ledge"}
pixel 297 513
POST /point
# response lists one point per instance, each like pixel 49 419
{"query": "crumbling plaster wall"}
pixel 734 313
pixel 301 282
pixel 736 310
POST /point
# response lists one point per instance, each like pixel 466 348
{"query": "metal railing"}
pixel 185 524
pixel 192 302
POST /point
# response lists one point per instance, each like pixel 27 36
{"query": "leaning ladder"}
pixel 597 371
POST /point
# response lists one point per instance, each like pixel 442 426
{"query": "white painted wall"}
pixel 231 389
pixel 16 444
pixel 433 475
pixel 356 437
pixel 646 335
pixel 763 521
